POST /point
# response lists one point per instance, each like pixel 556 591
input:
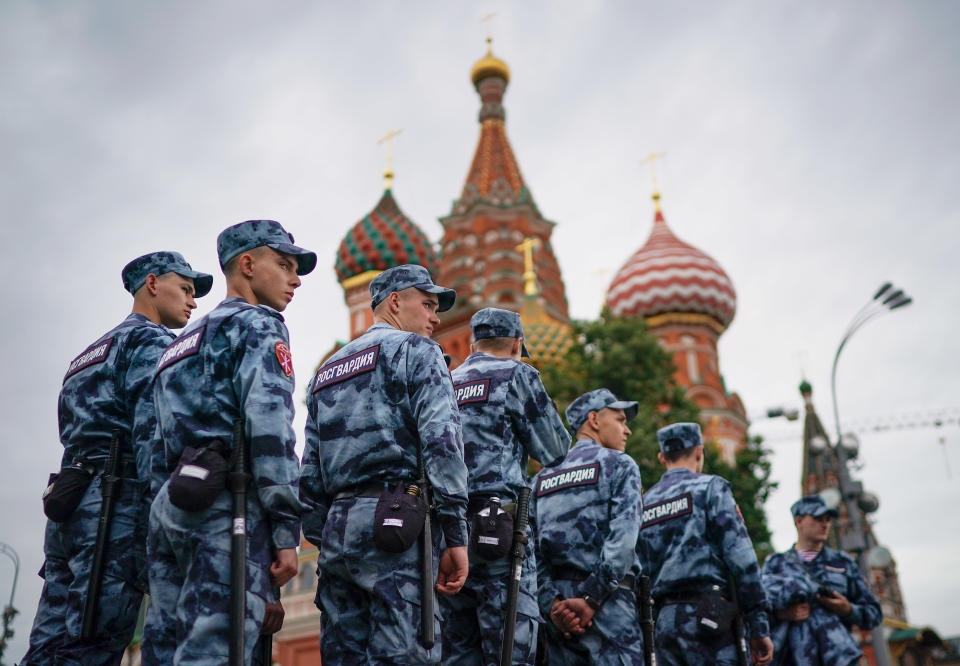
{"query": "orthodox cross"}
pixel 652 159
pixel 388 174
pixel 528 245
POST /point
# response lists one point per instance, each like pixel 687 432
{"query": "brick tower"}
pixel 494 214
pixel 688 301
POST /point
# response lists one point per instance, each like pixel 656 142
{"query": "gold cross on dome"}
pixel 388 139
pixel 652 159
pixel 528 245
pixel 488 20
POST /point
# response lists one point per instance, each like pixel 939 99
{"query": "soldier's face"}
pixel 274 278
pixel 175 300
pixel 417 311
pixel 612 428
pixel 813 529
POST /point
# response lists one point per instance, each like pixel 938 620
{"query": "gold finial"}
pixel 388 174
pixel 528 245
pixel 488 19
pixel 652 159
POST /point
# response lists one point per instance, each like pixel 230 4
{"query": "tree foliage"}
pixel 623 356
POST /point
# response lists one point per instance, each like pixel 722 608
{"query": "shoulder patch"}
pixel 674 507
pixel 184 346
pixel 347 367
pixel 475 391
pixel 89 356
pixel 835 569
pixel 284 357
pixel 584 475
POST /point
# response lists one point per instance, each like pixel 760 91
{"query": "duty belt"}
pixel 693 597
pixel 126 468
pixel 570 573
pixel 370 489
pixel 477 503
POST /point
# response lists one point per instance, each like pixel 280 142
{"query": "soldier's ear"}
pixel 151 284
pixel 244 264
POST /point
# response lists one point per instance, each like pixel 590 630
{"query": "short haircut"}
pixel 676 456
pixel 499 345
pixel 231 266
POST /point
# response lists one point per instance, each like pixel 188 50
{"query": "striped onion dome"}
pixel 667 275
pixel 384 238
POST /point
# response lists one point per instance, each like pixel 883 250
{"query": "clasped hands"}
pixel 571 616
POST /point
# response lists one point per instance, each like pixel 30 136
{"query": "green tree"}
pixel 623 356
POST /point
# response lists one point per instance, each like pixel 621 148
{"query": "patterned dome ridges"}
pixel 667 275
pixel 383 239
pixel 494 176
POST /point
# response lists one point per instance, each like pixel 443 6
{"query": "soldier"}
pixel 107 389
pixel 372 406
pixel 506 416
pixel 692 540
pixel 232 364
pixel 585 515
pixel 817 594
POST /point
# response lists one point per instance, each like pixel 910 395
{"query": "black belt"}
pixel 682 598
pixel 126 469
pixel 477 503
pixel 371 489
pixel 578 575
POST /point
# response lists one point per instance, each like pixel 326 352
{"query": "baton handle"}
pixel 108 482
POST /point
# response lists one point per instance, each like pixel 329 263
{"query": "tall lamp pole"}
pixel 857 502
pixel 9 611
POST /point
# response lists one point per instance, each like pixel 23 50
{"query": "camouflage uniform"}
pixel 234 362
pixel 506 415
pixel 106 388
pixel 585 515
pixel 692 537
pixel 369 407
pixel 824 637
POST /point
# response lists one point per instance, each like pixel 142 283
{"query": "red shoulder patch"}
pixel 740 514
pixel 284 357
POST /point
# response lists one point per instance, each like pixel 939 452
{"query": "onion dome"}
pixel 384 238
pixel 669 276
pixel 489 65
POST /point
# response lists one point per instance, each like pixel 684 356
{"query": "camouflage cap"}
pixel 497 323
pixel 594 401
pixel 679 436
pixel 811 505
pixel 135 273
pixel 403 277
pixel 256 233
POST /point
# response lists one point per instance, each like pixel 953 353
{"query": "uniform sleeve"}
pixel 546 590
pixel 138 390
pixel 785 583
pixel 313 493
pixel 438 424
pixel 728 533
pixel 535 419
pixel 865 611
pixel 264 389
pixel 620 542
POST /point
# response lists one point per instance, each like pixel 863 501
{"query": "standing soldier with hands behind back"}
pixel 380 409
pixel 693 541
pixel 106 395
pixel 506 416
pixel 226 383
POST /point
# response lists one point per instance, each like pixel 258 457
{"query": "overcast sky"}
pixel 812 149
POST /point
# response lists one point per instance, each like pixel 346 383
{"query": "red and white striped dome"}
pixel 667 275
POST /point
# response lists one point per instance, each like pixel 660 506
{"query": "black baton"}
pixel 108 486
pixel 427 599
pixel 238 545
pixel 646 621
pixel 516 566
pixel 739 637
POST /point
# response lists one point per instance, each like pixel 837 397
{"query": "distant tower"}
pixel 687 301
pixel 494 214
pixel 383 238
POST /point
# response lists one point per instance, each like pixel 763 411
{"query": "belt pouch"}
pixel 200 477
pixel 492 531
pixel 398 519
pixel 65 490
pixel 715 615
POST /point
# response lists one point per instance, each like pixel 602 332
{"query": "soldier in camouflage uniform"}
pixel 585 515
pixel 506 416
pixel 370 406
pixel 692 539
pixel 810 627
pixel 234 362
pixel 107 388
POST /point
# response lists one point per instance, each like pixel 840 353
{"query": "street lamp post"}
pixel 9 611
pixel 858 502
